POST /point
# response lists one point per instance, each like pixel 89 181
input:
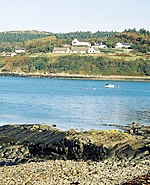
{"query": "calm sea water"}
pixel 82 104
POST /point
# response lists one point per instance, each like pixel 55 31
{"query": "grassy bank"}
pixel 124 66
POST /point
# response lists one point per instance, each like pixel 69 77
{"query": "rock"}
pixel 41 142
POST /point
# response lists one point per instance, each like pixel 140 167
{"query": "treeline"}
pixel 9 46
pixel 99 66
pixel 140 39
pixel 36 41
pixel 141 31
pixel 84 35
pixel 22 36
pixel 43 45
pixel 75 64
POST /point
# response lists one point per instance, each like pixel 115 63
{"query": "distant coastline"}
pixel 76 76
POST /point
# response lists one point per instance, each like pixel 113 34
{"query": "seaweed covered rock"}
pixel 24 143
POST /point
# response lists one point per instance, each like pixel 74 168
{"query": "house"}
pixel 80 42
pixel 9 54
pixel 61 50
pixel 100 45
pixel 79 49
pixel 20 50
pixel 93 50
pixel 120 45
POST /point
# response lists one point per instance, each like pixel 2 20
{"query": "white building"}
pixel 9 54
pixel 80 42
pixel 61 50
pixel 20 50
pixel 93 50
pixel 100 45
pixel 79 50
pixel 120 45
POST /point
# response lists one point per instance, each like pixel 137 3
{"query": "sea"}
pixel 71 103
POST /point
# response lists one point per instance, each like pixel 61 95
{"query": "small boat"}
pixel 109 85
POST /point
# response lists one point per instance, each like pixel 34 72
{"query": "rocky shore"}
pixel 75 76
pixel 40 154
pixel 60 172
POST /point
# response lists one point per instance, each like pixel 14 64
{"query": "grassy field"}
pixel 123 54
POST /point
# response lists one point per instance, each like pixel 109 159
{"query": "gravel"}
pixel 60 172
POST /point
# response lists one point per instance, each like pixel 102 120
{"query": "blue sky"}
pixel 74 15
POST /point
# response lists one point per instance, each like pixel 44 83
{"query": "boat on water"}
pixel 110 86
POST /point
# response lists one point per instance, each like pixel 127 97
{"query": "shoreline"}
pixel 76 76
pixel 41 154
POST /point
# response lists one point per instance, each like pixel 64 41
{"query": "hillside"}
pixel 140 39
pixel 27 39
pixel 109 61
pixel 21 36
pixel 77 64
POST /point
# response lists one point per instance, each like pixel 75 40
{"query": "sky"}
pixel 63 16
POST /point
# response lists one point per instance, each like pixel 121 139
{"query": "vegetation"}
pixel 140 39
pixel 76 64
pixel 21 36
pixel 45 44
pixel 39 45
pixel 99 66
pixel 35 41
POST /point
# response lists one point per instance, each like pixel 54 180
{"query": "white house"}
pixel 61 50
pixel 79 49
pixel 120 45
pixel 100 45
pixel 80 42
pixel 9 54
pixel 20 50
pixel 93 50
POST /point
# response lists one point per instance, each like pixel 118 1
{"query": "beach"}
pixel 60 172
pixel 44 155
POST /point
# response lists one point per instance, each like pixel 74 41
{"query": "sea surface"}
pixel 79 104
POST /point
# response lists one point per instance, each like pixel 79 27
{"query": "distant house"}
pixel 120 45
pixel 80 42
pixel 100 45
pixel 93 50
pixel 20 50
pixel 9 54
pixel 79 49
pixel 61 50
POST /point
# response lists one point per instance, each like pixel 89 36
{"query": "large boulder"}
pixel 24 143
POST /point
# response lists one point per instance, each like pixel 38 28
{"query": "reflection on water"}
pixel 73 103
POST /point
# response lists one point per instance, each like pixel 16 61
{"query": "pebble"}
pixel 60 172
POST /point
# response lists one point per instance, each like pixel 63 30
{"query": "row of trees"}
pixel 140 39
pixel 29 35
pixel 20 36
pixel 99 66
pixel 34 41
pixel 84 35
pixel 141 31
pixel 74 64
